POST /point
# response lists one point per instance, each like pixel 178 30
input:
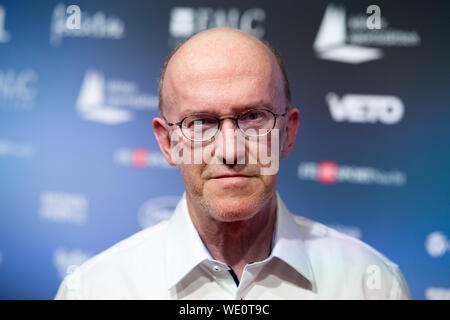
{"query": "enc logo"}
pixel 328 172
pixel 359 108
pixel 17 89
pixel 187 21
pixel 157 209
pixel 348 40
pixel 437 244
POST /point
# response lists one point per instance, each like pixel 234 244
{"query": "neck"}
pixel 236 243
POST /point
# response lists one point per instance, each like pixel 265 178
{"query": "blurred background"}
pixel 80 168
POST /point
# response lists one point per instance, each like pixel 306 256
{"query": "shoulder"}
pixel 335 255
pixel 319 236
pixel 149 241
pixel 121 271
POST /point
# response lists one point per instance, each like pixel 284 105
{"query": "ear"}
pixel 293 122
pixel 163 137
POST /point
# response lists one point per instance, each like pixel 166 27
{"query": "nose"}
pixel 231 145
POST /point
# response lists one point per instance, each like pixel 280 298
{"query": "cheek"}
pixel 191 175
pixel 269 181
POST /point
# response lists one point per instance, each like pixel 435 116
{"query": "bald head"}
pixel 220 54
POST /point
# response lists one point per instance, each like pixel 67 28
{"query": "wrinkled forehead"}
pixel 225 66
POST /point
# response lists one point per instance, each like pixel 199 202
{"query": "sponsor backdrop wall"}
pixel 80 168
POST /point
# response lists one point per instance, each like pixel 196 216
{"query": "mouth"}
pixel 232 179
pixel 231 176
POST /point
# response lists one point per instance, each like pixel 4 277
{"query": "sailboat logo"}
pixel 91 102
pixel 330 42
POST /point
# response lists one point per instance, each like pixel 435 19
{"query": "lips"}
pixel 224 176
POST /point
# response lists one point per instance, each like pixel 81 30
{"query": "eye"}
pixel 194 121
pixel 254 116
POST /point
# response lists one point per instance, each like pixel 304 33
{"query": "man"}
pixel 231 236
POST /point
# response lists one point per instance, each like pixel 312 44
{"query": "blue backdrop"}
pixel 80 168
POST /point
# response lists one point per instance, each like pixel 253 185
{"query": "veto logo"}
pixel 359 108
pixel 105 101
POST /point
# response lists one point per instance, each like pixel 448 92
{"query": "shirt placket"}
pixel 220 272
pixel 249 275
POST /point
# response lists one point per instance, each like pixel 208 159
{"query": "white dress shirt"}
pixel 169 261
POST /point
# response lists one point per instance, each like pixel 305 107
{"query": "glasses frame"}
pixel 220 120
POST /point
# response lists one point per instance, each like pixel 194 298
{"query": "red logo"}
pixel 139 158
pixel 327 172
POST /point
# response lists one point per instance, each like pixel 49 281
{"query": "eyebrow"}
pixel 235 110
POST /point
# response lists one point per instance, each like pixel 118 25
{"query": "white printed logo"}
pixel 17 89
pixel 97 25
pixel 187 21
pixel 157 209
pixel 359 108
pixel 437 293
pixel 63 207
pixel 437 244
pixel 342 40
pixel 13 149
pixel 328 172
pixel 102 101
pixel 4 35
pixel 67 262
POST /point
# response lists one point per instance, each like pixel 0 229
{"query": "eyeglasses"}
pixel 204 127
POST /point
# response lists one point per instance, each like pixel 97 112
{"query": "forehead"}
pixel 222 79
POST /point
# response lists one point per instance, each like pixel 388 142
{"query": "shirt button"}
pixel 216 268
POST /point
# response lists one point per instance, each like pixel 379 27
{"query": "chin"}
pixel 235 207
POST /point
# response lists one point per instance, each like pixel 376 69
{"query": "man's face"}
pixel 224 84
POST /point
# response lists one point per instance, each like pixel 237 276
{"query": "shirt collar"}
pixel 289 245
pixel 185 249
